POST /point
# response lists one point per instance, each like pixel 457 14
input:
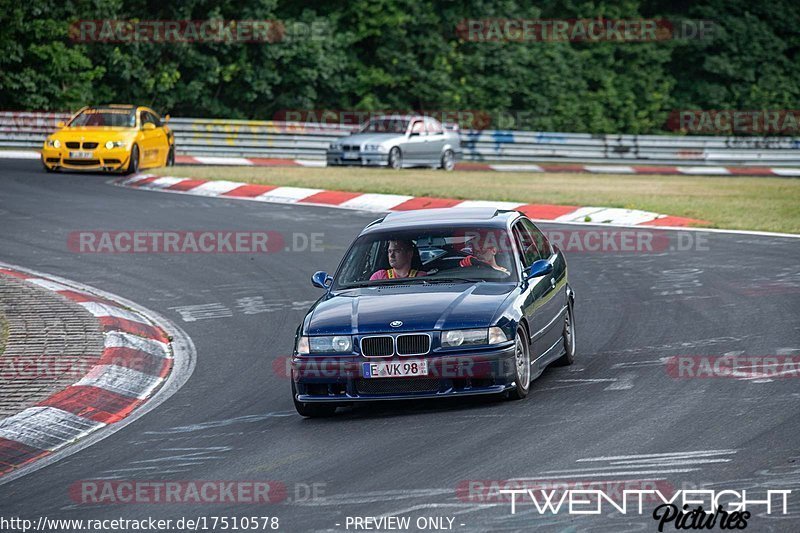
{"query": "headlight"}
pixel 53 143
pixel 497 335
pixel 337 343
pixel 335 146
pixel 465 337
pixel 473 337
pixel 374 148
pixel 114 144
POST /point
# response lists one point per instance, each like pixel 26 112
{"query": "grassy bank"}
pixel 757 203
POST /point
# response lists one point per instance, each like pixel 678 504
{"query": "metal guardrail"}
pixel 250 138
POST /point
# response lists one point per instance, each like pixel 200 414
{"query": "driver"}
pixel 485 255
pixel 401 253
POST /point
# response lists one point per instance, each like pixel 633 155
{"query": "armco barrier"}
pixel 252 138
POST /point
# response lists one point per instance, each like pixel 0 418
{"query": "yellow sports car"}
pixel 116 138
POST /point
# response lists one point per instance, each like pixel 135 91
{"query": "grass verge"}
pixel 748 203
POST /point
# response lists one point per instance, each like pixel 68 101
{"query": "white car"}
pixel 399 141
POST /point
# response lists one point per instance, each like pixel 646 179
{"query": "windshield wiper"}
pixel 451 280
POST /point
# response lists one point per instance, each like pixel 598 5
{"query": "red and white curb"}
pixel 138 358
pixel 380 203
pixel 700 170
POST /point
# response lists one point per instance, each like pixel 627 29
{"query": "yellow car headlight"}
pixel 53 143
pixel 114 144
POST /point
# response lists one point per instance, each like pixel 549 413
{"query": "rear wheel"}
pixel 133 163
pixel 312 410
pixel 395 158
pixel 522 367
pixel 448 160
pixel 569 339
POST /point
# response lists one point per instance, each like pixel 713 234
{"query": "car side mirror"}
pixel 542 267
pixel 148 126
pixel 321 279
pixel 60 124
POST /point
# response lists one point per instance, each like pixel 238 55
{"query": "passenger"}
pixel 401 255
pixel 483 255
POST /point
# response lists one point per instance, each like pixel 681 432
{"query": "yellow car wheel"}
pixel 133 162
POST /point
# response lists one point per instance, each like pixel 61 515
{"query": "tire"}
pixel 171 157
pixel 448 162
pixel 395 158
pixel 133 162
pixel 48 169
pixel 569 339
pixel 312 410
pixel 522 366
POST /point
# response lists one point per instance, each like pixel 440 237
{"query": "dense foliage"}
pixel 408 54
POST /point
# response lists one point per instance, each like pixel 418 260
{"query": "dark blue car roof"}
pixel 460 216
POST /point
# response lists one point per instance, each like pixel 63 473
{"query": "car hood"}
pixel 371 138
pixel 94 133
pixel 418 307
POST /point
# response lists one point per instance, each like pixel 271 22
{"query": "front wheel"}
pixel 133 163
pixel 312 410
pixel 171 157
pixel 522 366
pixel 448 161
pixel 395 158
pixel 569 339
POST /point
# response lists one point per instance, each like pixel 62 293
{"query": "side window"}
pixel 154 119
pixel 538 239
pixel 142 118
pixel 528 253
pixel 418 127
pixel 434 126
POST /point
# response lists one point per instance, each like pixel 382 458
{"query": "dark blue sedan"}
pixel 435 303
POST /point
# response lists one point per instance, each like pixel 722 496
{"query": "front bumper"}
pixel 364 159
pixel 103 159
pixel 339 380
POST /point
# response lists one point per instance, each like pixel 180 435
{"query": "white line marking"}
pixel 613 473
pixel 610 169
pixel 625 382
pixel 121 380
pixel 193 313
pixel 517 168
pixel 121 339
pixel 311 163
pixel 670 461
pixel 715 171
pixel 100 310
pixel 786 171
pixel 163 183
pixel 215 188
pixel 287 195
pixel 19 154
pixel 46 428
pixel 376 202
pixel 698 453
pixel 211 160
pixel 49 285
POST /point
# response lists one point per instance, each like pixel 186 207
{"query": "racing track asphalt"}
pixel 234 420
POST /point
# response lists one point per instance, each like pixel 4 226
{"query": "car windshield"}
pixel 120 118
pixel 386 125
pixel 428 256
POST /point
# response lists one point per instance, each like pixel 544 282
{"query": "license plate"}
pixel 81 155
pixel 350 155
pixel 395 369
